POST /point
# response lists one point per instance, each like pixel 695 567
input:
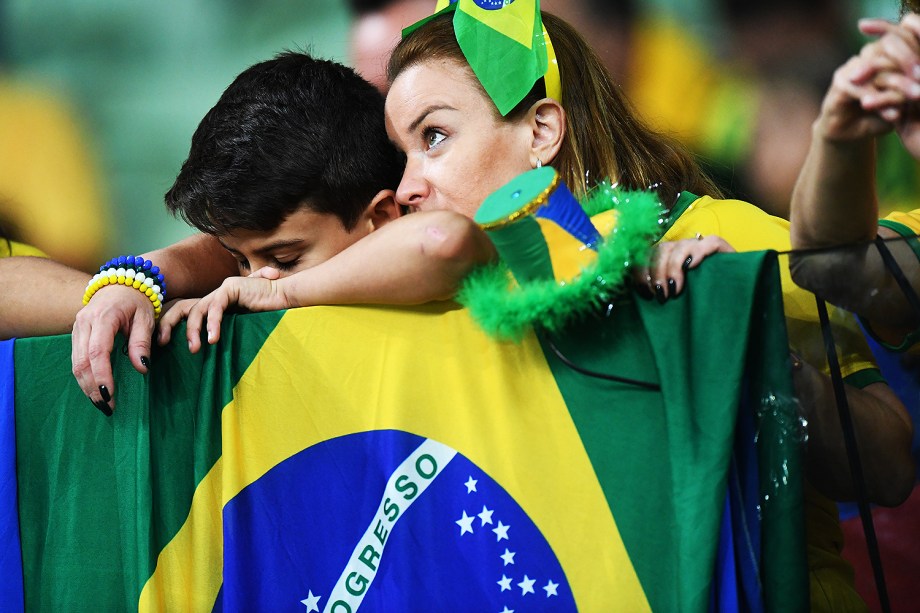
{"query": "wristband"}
pixel 130 271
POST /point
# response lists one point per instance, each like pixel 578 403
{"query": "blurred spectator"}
pixel 49 190
pixel 376 29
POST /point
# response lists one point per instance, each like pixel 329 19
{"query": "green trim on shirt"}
pixel 864 378
pixel 906 343
pixel 680 207
pixel 902 230
pixel 914 336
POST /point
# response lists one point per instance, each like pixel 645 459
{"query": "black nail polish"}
pixel 672 288
pixel 106 409
pixel 687 262
pixel 659 294
pixel 104 392
pixel 145 361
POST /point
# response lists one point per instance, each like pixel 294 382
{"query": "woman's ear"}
pixel 382 209
pixel 547 121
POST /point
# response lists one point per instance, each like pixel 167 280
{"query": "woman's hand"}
pixel 113 309
pixel 665 277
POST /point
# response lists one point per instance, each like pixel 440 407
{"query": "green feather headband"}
pixel 507 310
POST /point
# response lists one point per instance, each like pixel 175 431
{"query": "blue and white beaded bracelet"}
pixel 134 272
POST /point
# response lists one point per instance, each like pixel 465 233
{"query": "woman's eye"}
pixel 433 138
pixel 244 264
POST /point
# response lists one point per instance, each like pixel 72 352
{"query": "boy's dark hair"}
pixel 290 132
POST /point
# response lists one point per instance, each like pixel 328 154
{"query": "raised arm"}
pixel 415 259
pixel 834 202
pixel 191 267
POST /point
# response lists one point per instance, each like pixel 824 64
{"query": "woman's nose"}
pixel 413 190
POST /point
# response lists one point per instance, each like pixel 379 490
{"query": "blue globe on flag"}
pixel 385 521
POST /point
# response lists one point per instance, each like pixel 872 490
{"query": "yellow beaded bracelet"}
pixel 130 278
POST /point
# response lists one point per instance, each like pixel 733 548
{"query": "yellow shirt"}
pixel 11 248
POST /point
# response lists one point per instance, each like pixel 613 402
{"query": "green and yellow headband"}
pixel 506 45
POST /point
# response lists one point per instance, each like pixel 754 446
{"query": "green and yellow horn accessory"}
pixel 561 259
pixel 506 45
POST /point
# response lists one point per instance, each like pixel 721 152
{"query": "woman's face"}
pixel 458 149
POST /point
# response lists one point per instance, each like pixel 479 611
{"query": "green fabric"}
pixel 152 449
pixel 863 378
pixel 700 353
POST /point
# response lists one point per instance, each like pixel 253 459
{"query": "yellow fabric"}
pixel 569 254
pixel 268 421
pixel 747 228
pixel 11 248
pixel 48 187
pixel 830 576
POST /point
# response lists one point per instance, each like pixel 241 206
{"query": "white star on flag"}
pixel 550 588
pixel 311 601
pixel 526 585
pixel 508 557
pixel 504 583
pixel 486 515
pixel 507 610
pixel 501 532
pixel 465 523
pixel 470 484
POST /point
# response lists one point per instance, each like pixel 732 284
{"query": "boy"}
pixel 290 167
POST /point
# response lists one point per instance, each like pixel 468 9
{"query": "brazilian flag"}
pixel 398 459
pixel 503 42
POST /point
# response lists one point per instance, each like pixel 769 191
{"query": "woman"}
pixel 459 148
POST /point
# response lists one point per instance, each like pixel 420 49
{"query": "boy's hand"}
pixel 256 292
pixel 175 311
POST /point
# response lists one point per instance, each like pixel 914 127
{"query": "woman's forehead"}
pixel 421 82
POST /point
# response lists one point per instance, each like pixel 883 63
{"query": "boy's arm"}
pixel 191 267
pixel 412 260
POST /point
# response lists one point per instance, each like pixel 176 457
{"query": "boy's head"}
pixel 292 164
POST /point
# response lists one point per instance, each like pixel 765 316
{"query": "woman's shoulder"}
pixel 745 226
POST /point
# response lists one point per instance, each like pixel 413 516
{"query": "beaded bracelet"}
pixel 134 272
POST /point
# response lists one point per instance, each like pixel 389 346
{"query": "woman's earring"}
pixel 539 163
